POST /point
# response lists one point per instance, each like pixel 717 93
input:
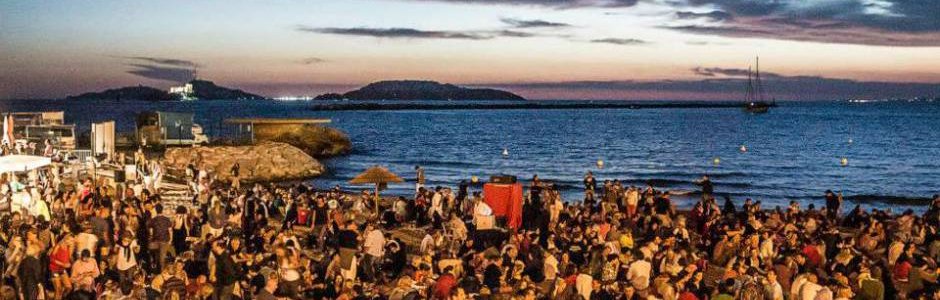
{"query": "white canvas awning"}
pixel 22 163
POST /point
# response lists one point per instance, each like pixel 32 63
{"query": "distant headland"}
pixel 419 90
pixel 196 89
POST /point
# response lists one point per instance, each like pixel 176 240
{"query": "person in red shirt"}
pixel 687 296
pixel 813 258
pixel 902 269
pixel 60 260
pixel 445 283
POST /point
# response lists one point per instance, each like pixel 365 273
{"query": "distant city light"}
pixel 294 98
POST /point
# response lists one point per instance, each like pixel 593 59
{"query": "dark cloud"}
pixel 731 87
pixel 619 41
pixel 827 32
pixel 865 22
pixel 548 3
pixel 514 33
pixel 397 33
pixel 518 23
pixel 410 33
pixel 704 43
pixel 312 61
pixel 715 15
pixel 164 61
pixel 726 72
pixel 157 72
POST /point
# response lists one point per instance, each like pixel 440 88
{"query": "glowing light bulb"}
pixel 600 164
pixel 845 161
pixel 716 161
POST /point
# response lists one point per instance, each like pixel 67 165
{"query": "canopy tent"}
pixel 376 175
pixel 22 163
pixel 506 201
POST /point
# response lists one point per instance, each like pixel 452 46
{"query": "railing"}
pixel 81 155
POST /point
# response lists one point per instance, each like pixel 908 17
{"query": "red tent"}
pixel 506 201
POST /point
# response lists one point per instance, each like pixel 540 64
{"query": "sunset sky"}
pixel 543 49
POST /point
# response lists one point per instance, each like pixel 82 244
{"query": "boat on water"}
pixel 754 97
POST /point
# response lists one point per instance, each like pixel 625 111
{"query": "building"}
pixel 185 92
pixel 168 128
pixel 37 127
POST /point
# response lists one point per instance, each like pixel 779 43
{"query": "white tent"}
pixel 22 163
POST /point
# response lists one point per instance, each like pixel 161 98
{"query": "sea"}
pixel 883 155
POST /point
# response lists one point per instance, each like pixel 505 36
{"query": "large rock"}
pixel 318 141
pixel 266 161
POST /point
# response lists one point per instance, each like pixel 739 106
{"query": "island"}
pixel 196 89
pixel 128 93
pixel 419 90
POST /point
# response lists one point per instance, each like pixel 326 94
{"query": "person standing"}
pixel 590 184
pixel 436 213
pixel 374 248
pixel 270 285
pixel 419 178
pixel 707 187
pixel 161 233
pixel 236 180
pixel 126 260
pixel 833 203
pixel 462 192
pixel 348 240
pixel 226 272
pixel 29 274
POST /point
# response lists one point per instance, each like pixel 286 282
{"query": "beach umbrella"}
pixel 376 175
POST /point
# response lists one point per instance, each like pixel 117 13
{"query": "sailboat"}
pixel 754 100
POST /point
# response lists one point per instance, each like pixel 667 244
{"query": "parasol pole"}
pixel 377 199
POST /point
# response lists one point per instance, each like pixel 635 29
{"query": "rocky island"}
pixel 196 89
pixel 128 93
pixel 419 90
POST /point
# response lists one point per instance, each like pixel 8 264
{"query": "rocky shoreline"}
pixel 262 162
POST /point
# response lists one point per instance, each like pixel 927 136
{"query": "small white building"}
pixel 185 92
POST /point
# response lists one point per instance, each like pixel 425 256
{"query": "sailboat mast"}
pixel 760 86
pixel 749 89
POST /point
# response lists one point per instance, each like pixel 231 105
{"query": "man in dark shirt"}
pixel 833 204
pixel 348 241
pixel 707 188
pixel 226 272
pixel 161 231
pixel 270 285
pixel 29 274
pixel 320 218
pixel 491 276
pixel 100 225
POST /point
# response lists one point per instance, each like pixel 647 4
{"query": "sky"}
pixel 540 49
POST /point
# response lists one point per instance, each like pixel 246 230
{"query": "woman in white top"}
pixel 125 258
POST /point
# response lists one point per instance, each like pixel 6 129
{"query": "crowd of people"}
pixel 98 239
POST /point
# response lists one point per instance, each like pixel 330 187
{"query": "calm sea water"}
pixel 794 152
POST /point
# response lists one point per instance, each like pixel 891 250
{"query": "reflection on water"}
pixel 793 152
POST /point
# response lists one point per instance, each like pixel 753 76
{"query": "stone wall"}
pixel 265 161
